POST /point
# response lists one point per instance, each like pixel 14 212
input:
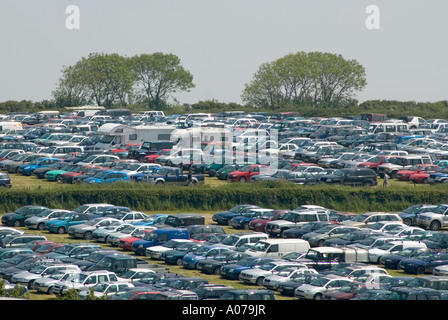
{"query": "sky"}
pixel 222 43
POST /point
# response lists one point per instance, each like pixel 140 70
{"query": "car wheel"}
pixel 88 235
pixel 30 285
pixel 434 226
pixel 228 221
pixel 425 181
pixel 60 178
pixel 217 270
pixel 40 226
pixel 259 281
pixel 317 296
pixel 179 261
pixel 393 174
pixel 16 224
pixel 407 221
pixel 242 179
pixel 420 270
pixel 320 243
pixel 61 230
pixel 246 226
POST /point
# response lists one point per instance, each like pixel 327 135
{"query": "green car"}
pixel 212 168
pixel 222 173
pixel 54 175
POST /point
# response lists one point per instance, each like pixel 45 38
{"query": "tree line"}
pixel 312 83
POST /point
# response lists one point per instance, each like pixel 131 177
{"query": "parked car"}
pixel 66 220
pixel 224 217
pixel 423 263
pixel 18 217
pixel 85 230
pixel 38 221
pixel 320 286
pixel 248 294
pixel 352 176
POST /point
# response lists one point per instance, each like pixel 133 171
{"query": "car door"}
pixel 109 177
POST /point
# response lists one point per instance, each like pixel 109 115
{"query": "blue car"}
pixel 232 271
pixel 190 260
pixel 224 217
pixel 107 176
pixel 138 177
pixel 27 169
pixel 157 238
pixel 423 263
pixel 152 220
pixel 61 224
pixel 242 221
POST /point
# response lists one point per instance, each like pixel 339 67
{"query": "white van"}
pixel 10 125
pixel 277 248
pixel 378 127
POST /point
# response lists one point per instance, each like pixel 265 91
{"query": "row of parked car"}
pixel 327 253
pixel 306 150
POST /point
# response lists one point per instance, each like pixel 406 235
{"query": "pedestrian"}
pixel 386 180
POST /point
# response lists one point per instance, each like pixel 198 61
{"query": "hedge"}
pixel 144 197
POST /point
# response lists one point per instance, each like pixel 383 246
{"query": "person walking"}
pixel 386 180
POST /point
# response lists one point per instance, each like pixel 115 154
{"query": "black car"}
pixel 5 180
pixel 213 266
pixel 212 291
pixel 248 294
pixel 307 227
pixel 174 257
pixel 352 176
pixel 224 217
pixel 18 217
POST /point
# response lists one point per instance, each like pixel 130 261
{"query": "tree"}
pixel 158 76
pixel 104 79
pixel 315 78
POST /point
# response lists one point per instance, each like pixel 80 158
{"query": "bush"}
pixel 147 197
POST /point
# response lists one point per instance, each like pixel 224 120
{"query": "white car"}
pixel 257 275
pixel 392 247
pixel 156 251
pixel 317 287
pixel 45 284
pixel 105 289
pixel 27 278
pixel 270 282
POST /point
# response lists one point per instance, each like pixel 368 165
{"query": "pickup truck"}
pixel 434 219
pixel 170 175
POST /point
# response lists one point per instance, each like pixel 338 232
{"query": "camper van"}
pixel 115 135
pixel 277 248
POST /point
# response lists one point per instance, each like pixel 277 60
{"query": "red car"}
pixel 126 243
pixel 152 157
pixel 375 162
pixel 125 148
pixel 244 174
pixel 259 224
pixel 47 247
pixel 404 175
pixel 67 177
pixel 421 177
